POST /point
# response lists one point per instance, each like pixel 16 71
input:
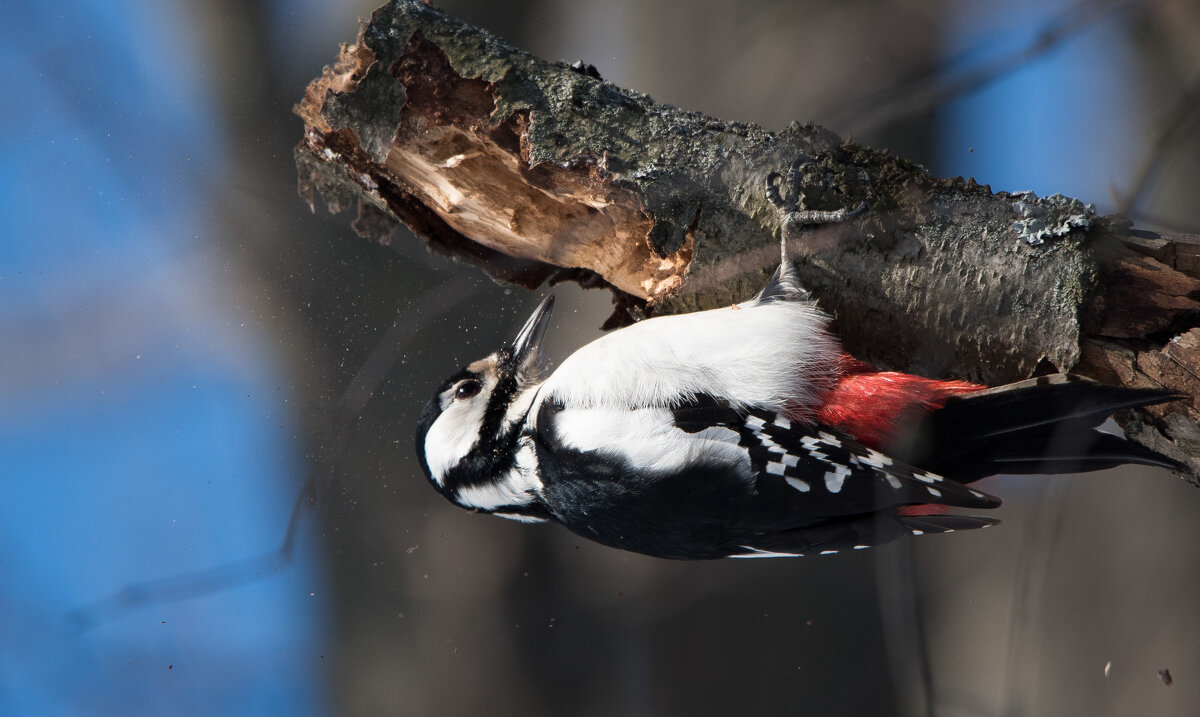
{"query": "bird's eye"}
pixel 467 389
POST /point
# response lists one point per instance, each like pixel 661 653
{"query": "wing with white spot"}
pixel 708 480
pixel 833 468
pixel 822 472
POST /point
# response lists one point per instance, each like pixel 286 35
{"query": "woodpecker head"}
pixel 468 432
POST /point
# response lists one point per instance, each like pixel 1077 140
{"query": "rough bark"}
pixel 539 171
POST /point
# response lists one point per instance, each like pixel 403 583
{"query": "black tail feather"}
pixel 1093 451
pixel 854 534
pixel 1044 425
pixel 944 523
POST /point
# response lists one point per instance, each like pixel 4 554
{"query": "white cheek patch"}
pixel 454 434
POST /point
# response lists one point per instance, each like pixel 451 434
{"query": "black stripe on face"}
pixel 493 454
pixel 501 398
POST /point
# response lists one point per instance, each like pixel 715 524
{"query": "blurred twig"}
pixel 948 81
pixel 1183 118
pixel 322 473
pixel 904 622
pixel 1145 219
pixel 1033 563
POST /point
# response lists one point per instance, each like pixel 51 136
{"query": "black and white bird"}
pixel 746 431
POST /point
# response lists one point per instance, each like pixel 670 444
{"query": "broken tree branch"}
pixel 539 171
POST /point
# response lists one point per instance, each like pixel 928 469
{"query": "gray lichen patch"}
pixel 1049 217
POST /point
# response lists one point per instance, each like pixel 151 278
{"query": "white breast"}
pixel 768 355
pixel 648 439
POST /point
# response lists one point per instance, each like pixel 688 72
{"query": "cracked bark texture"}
pixel 542 172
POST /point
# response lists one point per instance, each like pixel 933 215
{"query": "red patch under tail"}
pixel 869 404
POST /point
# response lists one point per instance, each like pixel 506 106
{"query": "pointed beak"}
pixel 525 347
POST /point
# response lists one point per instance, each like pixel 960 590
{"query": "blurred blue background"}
pixel 146 427
pixel 176 330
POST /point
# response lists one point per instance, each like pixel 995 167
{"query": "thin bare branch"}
pixel 321 475
pixel 955 78
pixel 1183 118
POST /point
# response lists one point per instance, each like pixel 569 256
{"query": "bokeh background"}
pixel 183 345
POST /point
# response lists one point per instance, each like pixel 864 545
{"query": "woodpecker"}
pixel 747 431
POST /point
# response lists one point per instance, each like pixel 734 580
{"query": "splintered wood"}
pixel 478 177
